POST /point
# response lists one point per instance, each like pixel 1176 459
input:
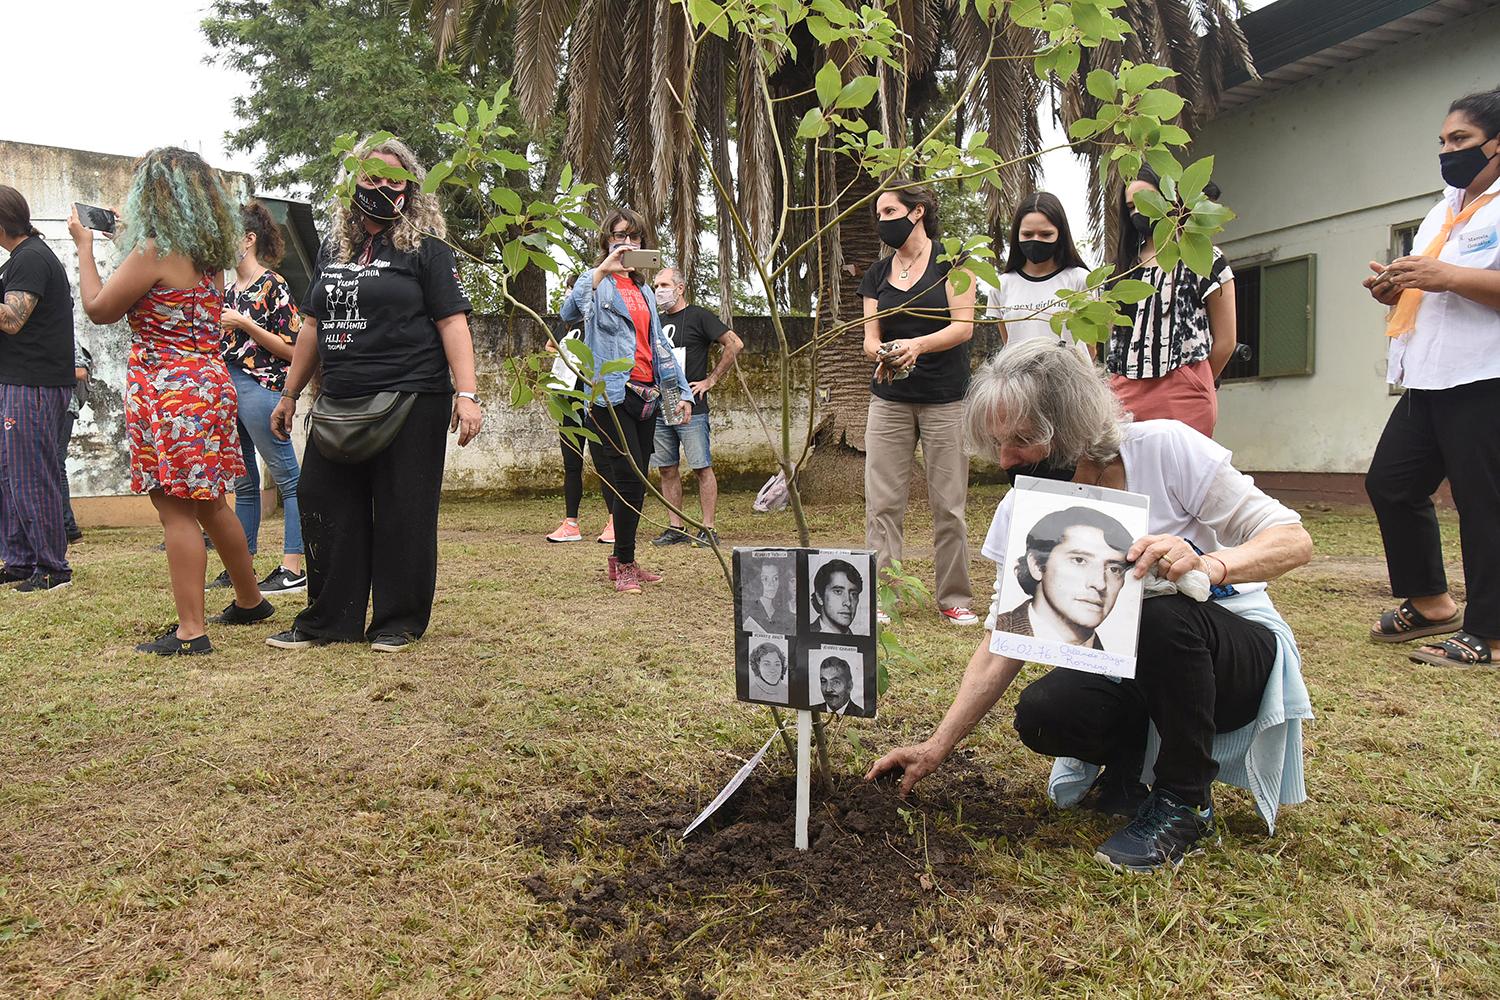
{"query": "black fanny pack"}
pixel 640 400
pixel 354 430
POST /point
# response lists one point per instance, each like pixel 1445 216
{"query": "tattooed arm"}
pixel 16 310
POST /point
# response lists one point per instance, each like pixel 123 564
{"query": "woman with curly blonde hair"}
pixel 179 232
pixel 388 326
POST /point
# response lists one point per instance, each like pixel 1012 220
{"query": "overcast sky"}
pixel 146 84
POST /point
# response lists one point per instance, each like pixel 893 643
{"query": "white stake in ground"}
pixel 804 774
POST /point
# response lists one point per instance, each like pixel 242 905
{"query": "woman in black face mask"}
pixel 1043 260
pixel 1166 363
pixel 1444 326
pixel 917 330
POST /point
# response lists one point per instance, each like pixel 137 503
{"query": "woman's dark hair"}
pixel 15 214
pixel 911 194
pixel 269 246
pixel 1128 244
pixel 1483 109
pixel 614 218
pixel 1049 205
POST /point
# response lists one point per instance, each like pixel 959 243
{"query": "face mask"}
pixel 1037 251
pixel 666 298
pixel 895 232
pixel 1142 225
pixel 1461 166
pixel 380 204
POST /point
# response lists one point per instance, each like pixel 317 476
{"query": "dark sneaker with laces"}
pixel 672 536
pixel 10 577
pixel 293 639
pixel 220 582
pixel 1164 831
pixel 167 644
pixel 390 643
pixel 236 615
pixel 283 581
pixel 44 581
pixel 706 537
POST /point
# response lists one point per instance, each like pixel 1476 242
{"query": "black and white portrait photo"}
pixel 1065 579
pixel 769 672
pixel 837 682
pixel 768 591
pixel 839 598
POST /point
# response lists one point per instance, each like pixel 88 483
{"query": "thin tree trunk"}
pixel 843 373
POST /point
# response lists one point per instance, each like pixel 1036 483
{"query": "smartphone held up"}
pixel 100 220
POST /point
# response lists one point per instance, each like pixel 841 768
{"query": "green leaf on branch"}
pixel 1135 79
pixel 1101 83
pixel 857 92
pixel 461 115
pixel 1195 177
pixel 509 160
pixel 1068 58
pixel 813 125
pixel 1131 290
pixel 507 199
pixel 824 32
pixel 1197 253
pixel 1164 163
pixel 1151 204
pixel 617 366
pixel 1161 104
pixel 829 82
pixel 514 256
pixel 1084 128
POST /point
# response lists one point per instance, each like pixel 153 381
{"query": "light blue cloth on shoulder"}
pixel 1264 757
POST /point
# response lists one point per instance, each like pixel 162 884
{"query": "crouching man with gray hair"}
pixel 694 330
pixel 1218 691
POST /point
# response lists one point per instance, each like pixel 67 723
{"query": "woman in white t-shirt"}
pixel 1204 670
pixel 1043 261
pixel 1445 350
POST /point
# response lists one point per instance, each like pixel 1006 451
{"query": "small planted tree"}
pixel 832 161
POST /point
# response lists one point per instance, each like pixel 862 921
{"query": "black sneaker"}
pixel 672 536
pixel 706 537
pixel 236 615
pixel 1115 797
pixel 74 536
pixel 10 577
pixel 390 643
pixel 293 639
pixel 44 581
pixel 169 645
pixel 220 582
pixel 1164 831
pixel 283 581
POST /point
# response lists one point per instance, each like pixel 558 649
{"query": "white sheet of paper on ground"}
pixel 729 789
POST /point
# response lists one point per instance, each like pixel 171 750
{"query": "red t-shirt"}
pixel 640 314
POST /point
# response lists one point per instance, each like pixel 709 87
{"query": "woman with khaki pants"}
pixel 917 330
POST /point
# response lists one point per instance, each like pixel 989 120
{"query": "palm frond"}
pixel 540 28
pixel 593 91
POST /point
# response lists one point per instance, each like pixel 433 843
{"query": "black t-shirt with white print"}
pixel 1169 329
pixel 377 318
pixel 694 329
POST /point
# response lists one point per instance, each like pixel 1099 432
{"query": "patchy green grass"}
pixel 438 824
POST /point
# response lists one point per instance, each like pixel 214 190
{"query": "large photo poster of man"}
pixel 840 598
pixel 1068 596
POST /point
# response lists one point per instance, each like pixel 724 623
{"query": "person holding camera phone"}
pixel 620 322
pixel 179 233
pixel 917 331
pixel 36 386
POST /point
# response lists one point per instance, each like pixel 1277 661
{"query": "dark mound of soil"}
pixel 878 868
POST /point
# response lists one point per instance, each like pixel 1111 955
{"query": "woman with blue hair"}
pixel 178 233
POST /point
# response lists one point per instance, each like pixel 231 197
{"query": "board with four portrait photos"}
pixel 805 629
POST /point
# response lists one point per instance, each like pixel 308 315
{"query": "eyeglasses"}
pixel 625 234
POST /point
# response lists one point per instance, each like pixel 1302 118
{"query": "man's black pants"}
pixel 370 530
pixel 1433 434
pixel 619 477
pixel 1200 670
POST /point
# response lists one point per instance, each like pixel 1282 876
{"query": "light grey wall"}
pixel 1328 167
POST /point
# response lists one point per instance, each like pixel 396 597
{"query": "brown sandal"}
pixel 1463 650
pixel 1407 623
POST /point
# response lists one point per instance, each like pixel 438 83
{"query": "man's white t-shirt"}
pixel 1027 304
pixel 1455 340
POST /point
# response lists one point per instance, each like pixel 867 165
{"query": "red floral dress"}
pixel 181 411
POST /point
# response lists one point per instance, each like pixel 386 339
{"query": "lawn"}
pixel 495 812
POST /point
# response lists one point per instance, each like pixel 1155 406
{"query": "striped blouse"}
pixel 1170 328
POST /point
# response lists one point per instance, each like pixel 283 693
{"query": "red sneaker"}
pixel 625 579
pixel 960 616
pixel 607 536
pixel 645 575
pixel 567 531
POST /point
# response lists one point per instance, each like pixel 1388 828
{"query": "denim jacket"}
pixel 609 333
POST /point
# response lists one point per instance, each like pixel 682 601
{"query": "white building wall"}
pixel 1328 166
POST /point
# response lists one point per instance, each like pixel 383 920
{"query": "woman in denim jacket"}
pixel 620 322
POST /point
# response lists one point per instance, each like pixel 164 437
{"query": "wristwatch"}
pixel 473 397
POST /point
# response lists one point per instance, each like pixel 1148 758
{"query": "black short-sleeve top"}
pixel 939 376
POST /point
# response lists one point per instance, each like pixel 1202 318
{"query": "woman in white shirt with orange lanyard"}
pixel 1445 350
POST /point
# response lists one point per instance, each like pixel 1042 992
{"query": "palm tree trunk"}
pixel 842 372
